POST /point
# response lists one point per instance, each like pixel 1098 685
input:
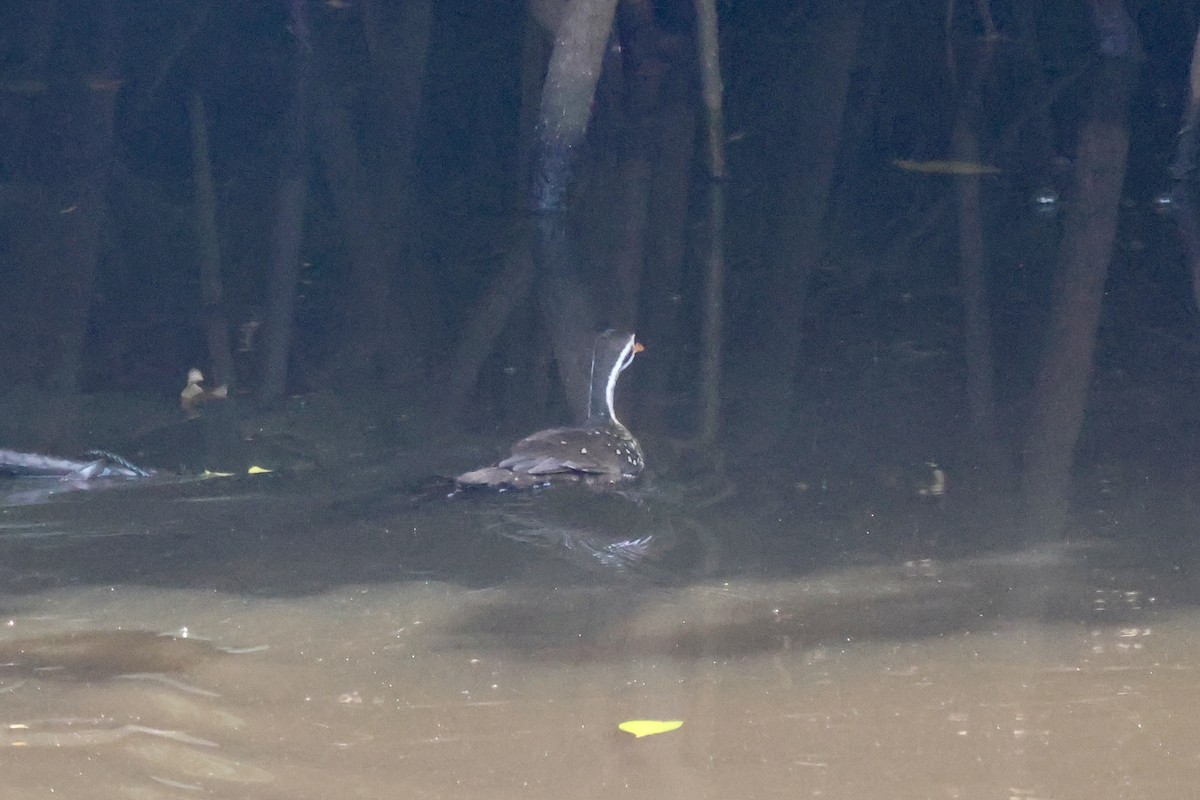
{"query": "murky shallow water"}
pixel 261 642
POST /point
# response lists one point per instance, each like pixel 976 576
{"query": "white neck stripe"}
pixel 625 359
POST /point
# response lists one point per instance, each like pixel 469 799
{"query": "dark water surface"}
pixel 272 639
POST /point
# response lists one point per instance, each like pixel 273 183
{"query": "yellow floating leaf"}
pixel 946 167
pixel 258 471
pixel 649 727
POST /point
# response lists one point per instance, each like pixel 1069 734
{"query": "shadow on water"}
pixel 283 637
pixel 277 535
pixel 102 655
pixel 886 570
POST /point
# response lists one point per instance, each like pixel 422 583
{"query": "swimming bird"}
pixel 600 453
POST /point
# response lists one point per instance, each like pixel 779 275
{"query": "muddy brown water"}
pixel 266 640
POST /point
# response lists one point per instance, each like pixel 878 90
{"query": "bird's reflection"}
pixel 592 531
pixel 586 547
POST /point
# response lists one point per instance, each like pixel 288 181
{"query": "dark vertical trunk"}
pixel 642 70
pixel 1184 162
pixel 566 305
pixel 16 108
pixel 486 322
pixel 670 186
pixel 56 211
pixel 1183 209
pixel 810 120
pixel 663 287
pixel 70 269
pixel 216 327
pixel 567 95
pixel 287 239
pixel 1060 391
pixel 89 155
pixel 397 36
pixel 714 253
pixel 977 328
pixel 630 256
pixel 398 43
pixel 510 288
pixel 535 53
pixel 87 159
pixel 367 301
pixel 566 309
pixel 84 210
pixel 222 441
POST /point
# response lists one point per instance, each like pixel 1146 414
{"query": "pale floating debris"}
pixel 183 633
pixel 194 394
pixel 189 762
pixel 60 721
pixel 185 711
pixel 175 736
pixel 90 737
pixel 945 167
pixel 192 787
pixel 167 680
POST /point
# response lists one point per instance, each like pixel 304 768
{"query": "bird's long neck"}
pixel 597 392
pixel 602 384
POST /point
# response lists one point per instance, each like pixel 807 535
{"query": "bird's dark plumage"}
pixel 601 452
